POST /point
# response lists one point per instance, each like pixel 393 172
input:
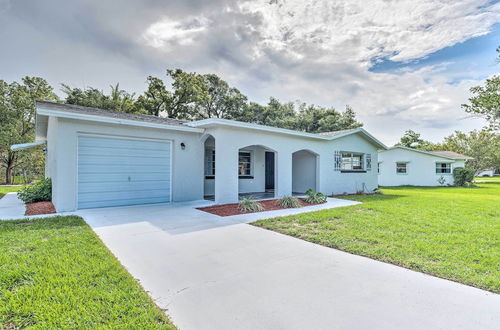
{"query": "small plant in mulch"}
pixel 287 202
pixel 247 205
pixel 38 198
pixel 39 192
pixel 314 197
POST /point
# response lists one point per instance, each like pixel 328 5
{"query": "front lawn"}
pixel 7 189
pixel 452 233
pixel 55 273
pixel 487 178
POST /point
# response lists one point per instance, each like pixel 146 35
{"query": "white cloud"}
pixel 358 30
pixel 168 33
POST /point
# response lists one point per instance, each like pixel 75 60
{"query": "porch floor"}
pixel 254 195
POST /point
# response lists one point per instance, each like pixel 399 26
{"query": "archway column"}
pixel 226 171
pixel 283 174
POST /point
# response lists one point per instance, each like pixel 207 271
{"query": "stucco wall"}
pixel 187 165
pixel 229 140
pixel 421 168
pixel 257 184
pixel 303 171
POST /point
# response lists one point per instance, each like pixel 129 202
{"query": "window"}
pixel 401 168
pixel 352 161
pixel 210 162
pixel 245 163
pixel 378 167
pixel 443 168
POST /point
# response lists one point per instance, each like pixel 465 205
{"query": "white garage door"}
pixel 122 171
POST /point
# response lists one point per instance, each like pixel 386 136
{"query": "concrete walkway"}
pixel 210 272
pixel 11 207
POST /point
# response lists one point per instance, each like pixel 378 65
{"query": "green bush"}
pixel 289 202
pixel 463 176
pixel 39 192
pixel 315 197
pixel 247 205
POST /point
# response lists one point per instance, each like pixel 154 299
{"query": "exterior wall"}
pixel 303 171
pixel 257 184
pixel 421 168
pixel 229 140
pixel 62 141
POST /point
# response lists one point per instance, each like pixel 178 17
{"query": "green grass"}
pixel 4 190
pixel 487 178
pixel 452 233
pixel 55 273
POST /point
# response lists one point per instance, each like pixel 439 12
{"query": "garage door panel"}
pixel 90 187
pixel 115 152
pixel 122 168
pixel 118 171
pixel 124 194
pixel 120 202
pixel 112 160
pixel 119 177
pixel 122 143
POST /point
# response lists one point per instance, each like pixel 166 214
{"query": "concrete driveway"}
pixel 210 272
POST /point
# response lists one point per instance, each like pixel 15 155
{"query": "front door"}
pixel 269 170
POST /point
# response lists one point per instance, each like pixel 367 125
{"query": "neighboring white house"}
pixel 98 158
pixel 398 166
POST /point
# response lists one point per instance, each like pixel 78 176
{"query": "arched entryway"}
pixel 304 171
pixel 209 168
pixel 256 172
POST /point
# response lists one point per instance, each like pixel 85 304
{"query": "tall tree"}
pixel 483 146
pixel 220 101
pixel 117 100
pixel 17 117
pixel 155 99
pixel 411 139
pixel 486 102
pixel 188 90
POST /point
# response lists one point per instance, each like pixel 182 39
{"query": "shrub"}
pixel 315 197
pixel 39 192
pixel 463 176
pixel 247 205
pixel 289 202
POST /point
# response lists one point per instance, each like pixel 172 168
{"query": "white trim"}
pixel 22 146
pixel 112 120
pixel 108 136
pixel 232 123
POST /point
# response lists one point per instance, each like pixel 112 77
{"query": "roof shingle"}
pixel 450 154
pixel 108 113
pixel 334 133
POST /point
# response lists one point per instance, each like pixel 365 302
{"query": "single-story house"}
pixel 398 166
pixel 100 158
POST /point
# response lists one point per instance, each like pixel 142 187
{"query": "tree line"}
pixel 188 95
pixel 192 96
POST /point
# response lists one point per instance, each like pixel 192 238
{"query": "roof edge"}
pixel 430 153
pixel 104 119
pixel 238 124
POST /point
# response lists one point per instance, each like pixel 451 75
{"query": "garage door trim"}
pixel 124 137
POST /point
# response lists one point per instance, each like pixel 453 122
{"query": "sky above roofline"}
pixel 400 64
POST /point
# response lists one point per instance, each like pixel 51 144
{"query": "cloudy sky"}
pixel 400 64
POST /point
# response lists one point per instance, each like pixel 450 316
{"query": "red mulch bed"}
pixel 225 210
pixel 40 208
